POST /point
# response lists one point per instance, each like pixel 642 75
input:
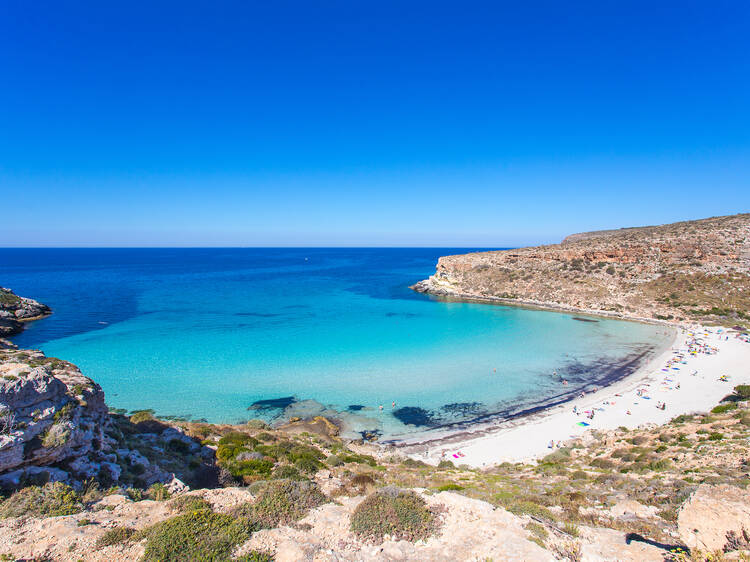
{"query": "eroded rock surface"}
pixel 695 270
pixel 711 513
pixel 15 310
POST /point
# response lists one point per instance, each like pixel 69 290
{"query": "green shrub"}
pixel 334 460
pixel 559 456
pixel 185 504
pixel 308 465
pixel 603 463
pixel 115 535
pixel 401 514
pixel 50 500
pixel 449 487
pixel 199 536
pixel 287 472
pixel 527 507
pixel 254 556
pixel 413 463
pixel 742 391
pixel 281 502
pixel 141 416
pixel 446 465
pixel 715 436
pixel 257 424
pixel 232 444
pixel 661 464
pixel 724 408
pixel 158 492
pixel 361 459
pixel 251 469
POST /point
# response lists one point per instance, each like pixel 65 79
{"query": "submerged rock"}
pixel 413 415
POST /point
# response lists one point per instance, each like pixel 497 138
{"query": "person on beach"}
pixel 565 383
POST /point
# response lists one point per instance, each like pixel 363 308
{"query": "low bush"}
pixel 287 472
pixel 158 492
pixel 200 536
pixel 141 416
pixel 334 460
pixel 401 514
pixel 724 408
pixel 184 504
pixel 281 502
pixel 603 463
pixel 742 391
pixel 115 535
pixel 50 500
pixel 449 487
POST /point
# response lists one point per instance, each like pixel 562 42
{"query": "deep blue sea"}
pixel 232 334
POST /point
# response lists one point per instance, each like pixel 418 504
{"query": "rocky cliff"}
pixel 55 425
pixel 695 270
pixel 15 310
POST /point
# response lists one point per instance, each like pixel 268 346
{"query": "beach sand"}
pixel 529 437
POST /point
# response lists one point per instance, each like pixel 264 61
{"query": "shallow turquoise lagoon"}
pixel 206 334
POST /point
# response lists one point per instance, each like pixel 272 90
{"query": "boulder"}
pixel 50 413
pixel 712 512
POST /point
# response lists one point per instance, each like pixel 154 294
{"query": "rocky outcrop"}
pixel 49 413
pixel 15 310
pixel 696 270
pixel 713 515
pixel 55 426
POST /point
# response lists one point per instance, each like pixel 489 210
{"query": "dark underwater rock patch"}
pixel 273 403
pixel 371 434
pixel 464 409
pixel 355 407
pixel 413 415
pixel 584 319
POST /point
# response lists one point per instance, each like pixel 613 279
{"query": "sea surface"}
pixel 227 335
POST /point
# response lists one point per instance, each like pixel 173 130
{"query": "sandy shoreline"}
pixel 529 437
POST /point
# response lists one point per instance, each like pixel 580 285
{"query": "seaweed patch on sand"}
pixel 273 404
pixel 464 409
pixel 412 415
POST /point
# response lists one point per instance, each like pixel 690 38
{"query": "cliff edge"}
pixel 686 271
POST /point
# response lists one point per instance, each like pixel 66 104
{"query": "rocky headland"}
pixel 15 311
pixel 696 271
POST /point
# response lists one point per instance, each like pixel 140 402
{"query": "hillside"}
pixel 89 485
pixel 687 271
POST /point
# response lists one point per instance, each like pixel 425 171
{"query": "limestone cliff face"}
pixel 695 270
pixel 49 412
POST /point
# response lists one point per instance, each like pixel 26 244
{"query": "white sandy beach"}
pixel 614 406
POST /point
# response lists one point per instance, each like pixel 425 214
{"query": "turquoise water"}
pixel 204 334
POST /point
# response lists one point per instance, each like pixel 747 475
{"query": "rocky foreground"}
pixel 81 482
pixel 697 271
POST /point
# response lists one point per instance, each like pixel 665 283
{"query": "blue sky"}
pixel 367 123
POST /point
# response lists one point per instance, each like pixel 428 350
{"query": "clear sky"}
pixel 367 123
